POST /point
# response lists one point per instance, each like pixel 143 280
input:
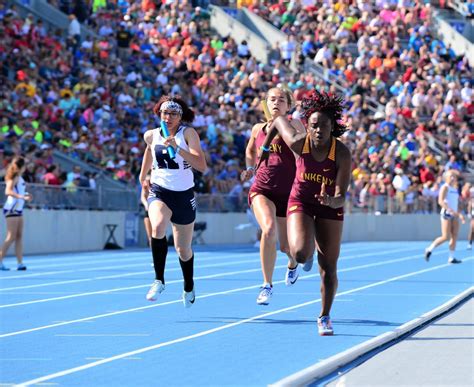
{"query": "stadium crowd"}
pixel 92 97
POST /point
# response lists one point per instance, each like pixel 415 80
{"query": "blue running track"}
pixel 82 319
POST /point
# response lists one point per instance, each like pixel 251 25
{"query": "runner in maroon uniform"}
pixel 269 193
pixel 315 207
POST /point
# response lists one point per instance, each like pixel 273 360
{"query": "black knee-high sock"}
pixel 188 273
pixel 159 250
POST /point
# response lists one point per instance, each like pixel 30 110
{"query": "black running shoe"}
pixel 427 255
pixel 454 260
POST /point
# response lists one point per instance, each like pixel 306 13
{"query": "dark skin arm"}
pixel 343 178
pixel 293 133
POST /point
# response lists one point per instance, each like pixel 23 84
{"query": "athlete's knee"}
pixel 184 253
pixel 269 231
pixel 158 231
pixel 284 249
pixel 328 274
pixel 299 254
pixel 9 238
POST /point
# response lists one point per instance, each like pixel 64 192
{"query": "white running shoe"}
pixel 265 294
pixel 308 265
pixel 189 298
pixel 469 246
pixel 291 275
pixel 325 326
pixel 156 289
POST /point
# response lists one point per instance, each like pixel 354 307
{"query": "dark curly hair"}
pixel 188 114
pixel 326 103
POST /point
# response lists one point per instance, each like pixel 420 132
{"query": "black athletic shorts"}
pixel 181 203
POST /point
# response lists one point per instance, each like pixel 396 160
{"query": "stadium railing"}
pixel 79 198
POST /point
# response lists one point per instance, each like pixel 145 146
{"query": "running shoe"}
pixel 291 275
pixel 266 293
pixel 427 255
pixel 189 298
pixel 4 268
pixel 454 260
pixel 325 326
pixel 469 246
pixel 21 267
pixel 156 289
pixel 308 265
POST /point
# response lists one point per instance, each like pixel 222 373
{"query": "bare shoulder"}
pixel 148 137
pixel 257 127
pixel 190 131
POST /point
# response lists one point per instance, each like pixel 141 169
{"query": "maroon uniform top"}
pixel 310 175
pixel 277 173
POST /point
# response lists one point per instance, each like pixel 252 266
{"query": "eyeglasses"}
pixel 167 113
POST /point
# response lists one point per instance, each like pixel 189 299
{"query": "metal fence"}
pixel 386 204
pixel 106 199
pixel 78 198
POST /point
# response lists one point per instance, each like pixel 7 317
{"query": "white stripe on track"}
pixel 145 272
pixel 221 328
pixel 176 281
pixel 145 260
pixel 232 263
pixel 141 286
pixel 62 323
pixel 144 256
pixel 118 254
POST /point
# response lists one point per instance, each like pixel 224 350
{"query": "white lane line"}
pixel 146 285
pixel 147 272
pixel 250 260
pixel 118 255
pixel 105 335
pixel 224 264
pixel 218 329
pixel 85 319
pixel 144 257
pixel 145 262
pixel 25 359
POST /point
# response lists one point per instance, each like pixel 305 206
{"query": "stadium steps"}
pixel 52 17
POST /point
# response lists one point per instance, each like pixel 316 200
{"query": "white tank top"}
pixel 13 204
pixel 452 198
pixel 175 175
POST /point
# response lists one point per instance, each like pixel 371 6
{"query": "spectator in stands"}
pixel 52 176
pixel 74 30
pixel 401 183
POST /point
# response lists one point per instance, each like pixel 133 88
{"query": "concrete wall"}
pixel 226 25
pixel 459 43
pixel 67 231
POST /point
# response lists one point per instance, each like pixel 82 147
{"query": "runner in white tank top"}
pixel 173 174
pixel 171 197
pixel 448 200
pixel 14 204
pixel 16 194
